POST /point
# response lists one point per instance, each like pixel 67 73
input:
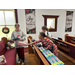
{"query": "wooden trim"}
pixel 67 42
pixel 50 16
pixel 16 16
pixel 29 47
pixel 73 41
pixel 65 37
pixel 71 36
pixel 30 37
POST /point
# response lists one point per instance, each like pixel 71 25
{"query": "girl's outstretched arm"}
pixel 34 42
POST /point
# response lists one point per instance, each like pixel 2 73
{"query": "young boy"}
pixel 47 42
pixel 45 30
pixel 21 35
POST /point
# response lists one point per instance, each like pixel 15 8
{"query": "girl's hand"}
pixel 46 48
pixel 20 39
pixel 28 44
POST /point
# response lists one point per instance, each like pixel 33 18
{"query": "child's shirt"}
pixel 16 34
pixel 48 33
pixel 48 44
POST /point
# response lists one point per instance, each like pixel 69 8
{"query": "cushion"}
pixel 3 52
pixel 10 56
pixel 2 45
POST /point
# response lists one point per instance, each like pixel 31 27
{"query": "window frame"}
pixel 15 15
pixel 51 16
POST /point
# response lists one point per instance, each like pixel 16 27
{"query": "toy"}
pixel 8 46
pixel 53 60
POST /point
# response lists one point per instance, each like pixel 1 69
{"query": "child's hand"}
pixel 46 48
pixel 28 43
pixel 20 39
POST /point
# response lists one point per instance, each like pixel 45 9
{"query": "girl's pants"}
pixel 20 52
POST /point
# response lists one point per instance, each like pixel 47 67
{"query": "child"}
pixel 20 49
pixel 45 30
pixel 47 42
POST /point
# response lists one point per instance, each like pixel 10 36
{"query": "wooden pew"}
pixel 39 55
pixel 66 47
pixel 69 39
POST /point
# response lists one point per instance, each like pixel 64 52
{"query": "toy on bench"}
pixel 53 60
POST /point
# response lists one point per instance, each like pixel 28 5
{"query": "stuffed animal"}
pixel 8 46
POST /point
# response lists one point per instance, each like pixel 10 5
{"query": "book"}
pixel 22 43
pixel 2 60
pixel 16 38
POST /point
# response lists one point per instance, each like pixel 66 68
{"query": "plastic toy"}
pixel 53 60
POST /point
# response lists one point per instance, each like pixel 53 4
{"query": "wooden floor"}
pixel 31 59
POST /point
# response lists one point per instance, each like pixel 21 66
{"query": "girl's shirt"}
pixel 47 43
pixel 16 34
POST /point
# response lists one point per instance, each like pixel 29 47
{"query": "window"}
pixel 7 17
pixel 51 22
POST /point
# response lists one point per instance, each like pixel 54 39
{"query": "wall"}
pixel 40 21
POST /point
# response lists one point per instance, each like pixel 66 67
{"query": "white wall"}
pixel 40 21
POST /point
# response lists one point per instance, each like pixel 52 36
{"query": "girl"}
pixel 20 49
pixel 45 30
pixel 47 42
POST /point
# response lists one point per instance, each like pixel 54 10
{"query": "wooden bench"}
pixel 66 47
pixel 39 55
pixel 69 39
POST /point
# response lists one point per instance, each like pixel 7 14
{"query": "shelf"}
pixel 63 48
pixel 73 41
